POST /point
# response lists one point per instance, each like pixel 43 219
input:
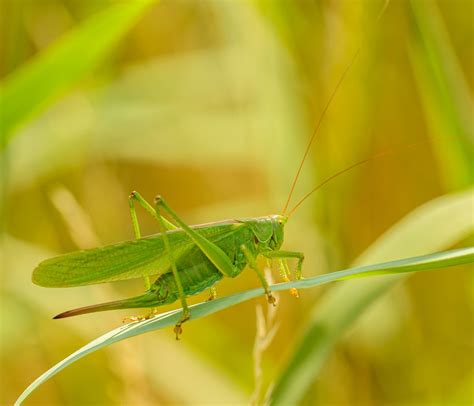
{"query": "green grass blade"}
pixel 432 261
pixel 433 226
pixel 444 93
pixel 39 82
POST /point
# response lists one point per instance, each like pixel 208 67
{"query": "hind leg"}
pixel 137 197
pixel 132 198
pixel 215 254
pixel 178 329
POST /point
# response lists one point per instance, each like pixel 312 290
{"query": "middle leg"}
pixel 212 294
pixel 186 314
pixel 251 261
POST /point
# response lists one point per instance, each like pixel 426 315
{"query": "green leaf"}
pixel 444 93
pixel 421 263
pixel 34 86
pixel 435 225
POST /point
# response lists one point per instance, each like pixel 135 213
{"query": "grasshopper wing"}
pixel 125 260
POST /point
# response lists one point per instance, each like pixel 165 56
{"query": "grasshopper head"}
pixel 278 222
pixel 268 230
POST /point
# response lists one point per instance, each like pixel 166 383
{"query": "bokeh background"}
pixel 211 104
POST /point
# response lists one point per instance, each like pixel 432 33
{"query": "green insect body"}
pixel 197 272
pixel 260 236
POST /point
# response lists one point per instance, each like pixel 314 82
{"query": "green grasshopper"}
pixel 186 259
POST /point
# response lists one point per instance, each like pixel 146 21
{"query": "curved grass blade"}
pixel 36 84
pixel 414 264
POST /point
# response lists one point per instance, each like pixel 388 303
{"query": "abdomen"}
pixel 194 280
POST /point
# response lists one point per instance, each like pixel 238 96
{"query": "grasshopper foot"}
pixel 212 295
pixel 271 299
pixel 178 329
pixel 294 292
pixel 132 319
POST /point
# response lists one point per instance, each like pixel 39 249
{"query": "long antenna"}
pixel 316 129
pixel 323 114
pixel 327 181
pixel 373 157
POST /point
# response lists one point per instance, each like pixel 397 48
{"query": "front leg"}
pixel 252 263
pixel 284 256
pixel 288 255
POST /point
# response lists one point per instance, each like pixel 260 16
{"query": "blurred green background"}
pixel 211 104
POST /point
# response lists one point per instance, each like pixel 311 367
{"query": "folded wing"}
pixel 125 260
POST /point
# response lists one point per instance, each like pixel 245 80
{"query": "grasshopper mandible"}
pixel 186 259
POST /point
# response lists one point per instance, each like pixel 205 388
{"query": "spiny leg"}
pixel 212 294
pixel 287 255
pixel 253 264
pixel 283 256
pixel 186 314
pixel 136 229
pixel 215 254
pixel 137 197
pixel 285 272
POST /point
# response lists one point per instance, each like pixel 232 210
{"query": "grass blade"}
pixel 444 93
pixel 34 86
pixel 432 261
pixel 435 225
